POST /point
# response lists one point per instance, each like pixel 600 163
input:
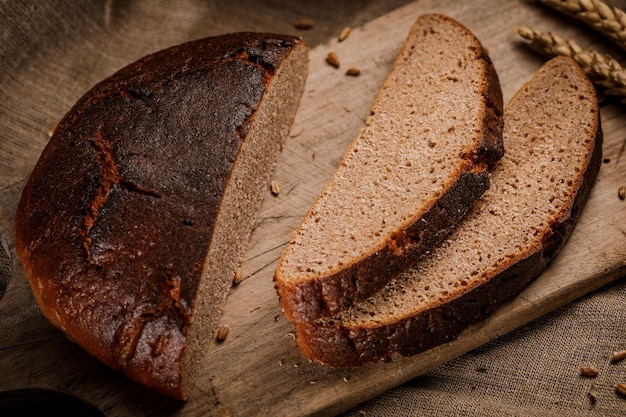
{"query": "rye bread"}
pixel 553 139
pixel 411 174
pixel 133 222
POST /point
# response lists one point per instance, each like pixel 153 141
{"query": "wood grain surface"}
pixel 258 369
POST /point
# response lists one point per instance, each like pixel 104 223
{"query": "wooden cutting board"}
pixel 258 370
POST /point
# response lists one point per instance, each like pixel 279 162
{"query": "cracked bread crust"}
pixel 328 292
pixel 340 343
pixel 114 223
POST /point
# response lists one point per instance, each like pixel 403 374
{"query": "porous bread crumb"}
pixel 382 175
pixel 242 197
pixel 531 190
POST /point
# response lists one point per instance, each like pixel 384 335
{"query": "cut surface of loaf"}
pixel 414 170
pixel 553 139
pixel 133 222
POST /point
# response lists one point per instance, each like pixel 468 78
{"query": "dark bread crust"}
pixel 326 295
pixel 339 346
pixel 114 223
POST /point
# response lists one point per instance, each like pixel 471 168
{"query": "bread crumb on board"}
pixel 588 371
pixel 275 188
pixel 52 129
pixel 618 356
pixel 222 333
pixel 304 23
pixel 238 276
pixel 345 32
pixel 333 59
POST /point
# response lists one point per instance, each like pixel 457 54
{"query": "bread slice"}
pixel 414 170
pixel 554 144
pixel 133 222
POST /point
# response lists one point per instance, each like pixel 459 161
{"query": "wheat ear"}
pixel 601 69
pixel 610 21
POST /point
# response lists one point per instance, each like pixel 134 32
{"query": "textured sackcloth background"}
pixel 52 51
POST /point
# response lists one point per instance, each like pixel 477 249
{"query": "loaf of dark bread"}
pixel 133 222
pixel 412 173
pixel 554 145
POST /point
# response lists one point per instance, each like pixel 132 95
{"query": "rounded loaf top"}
pixel 114 223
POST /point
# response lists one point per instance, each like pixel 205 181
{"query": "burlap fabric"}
pixel 533 371
pixel 52 51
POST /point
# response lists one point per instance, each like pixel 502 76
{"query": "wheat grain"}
pixel 222 333
pixel 333 59
pixel 344 34
pixel 601 69
pixel 275 188
pixel 621 354
pixel 610 21
pixel 589 371
pixel 304 24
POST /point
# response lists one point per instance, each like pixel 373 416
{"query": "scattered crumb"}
pixel 593 394
pixel 588 371
pixel 52 129
pixel 618 356
pixel 222 333
pixel 621 192
pixel 354 72
pixel 238 276
pixel 304 24
pixel 275 188
pixel 332 59
pixel 344 34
